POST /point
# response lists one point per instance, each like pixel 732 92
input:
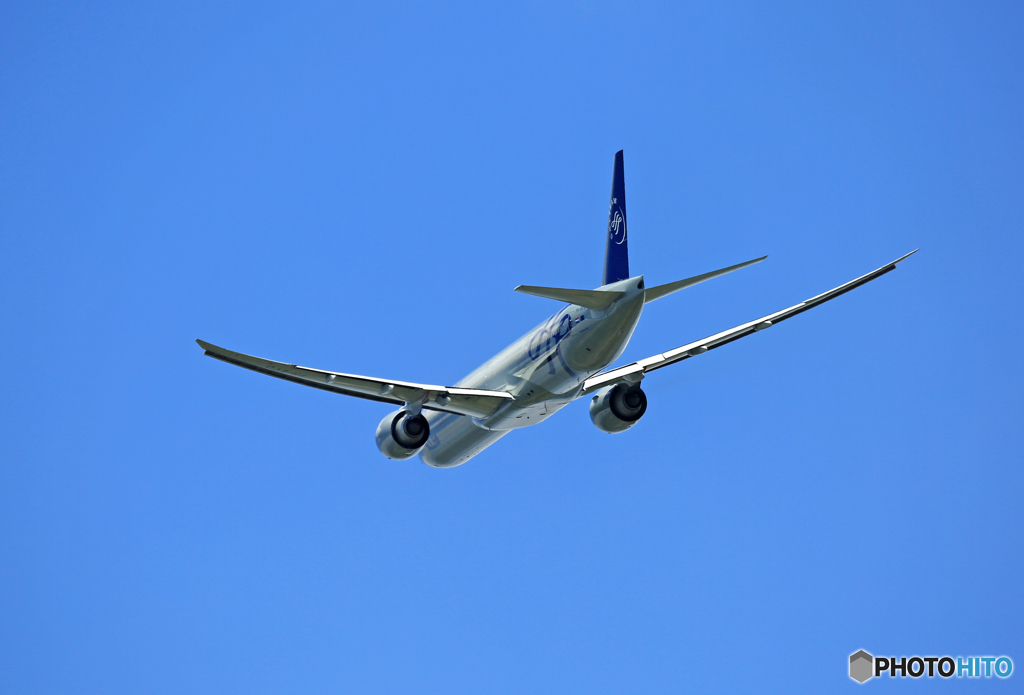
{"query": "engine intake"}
pixel 617 408
pixel 400 436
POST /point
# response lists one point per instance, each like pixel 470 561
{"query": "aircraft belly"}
pixel 454 439
pixel 544 371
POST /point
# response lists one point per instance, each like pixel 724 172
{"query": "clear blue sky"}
pixel 359 188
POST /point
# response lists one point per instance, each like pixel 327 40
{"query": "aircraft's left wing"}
pixel 449 399
pixel 632 373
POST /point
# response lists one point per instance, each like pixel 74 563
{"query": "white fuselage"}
pixel 544 370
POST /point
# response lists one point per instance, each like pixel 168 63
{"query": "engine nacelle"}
pixel 617 408
pixel 400 437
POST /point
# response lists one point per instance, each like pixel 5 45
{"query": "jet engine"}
pixel 400 436
pixel 617 408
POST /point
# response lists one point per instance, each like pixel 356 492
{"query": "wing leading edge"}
pixel 449 399
pixel 632 373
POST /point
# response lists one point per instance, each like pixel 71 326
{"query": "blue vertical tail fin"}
pixel 616 255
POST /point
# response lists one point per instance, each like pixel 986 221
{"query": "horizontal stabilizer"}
pixel 597 300
pixel 660 291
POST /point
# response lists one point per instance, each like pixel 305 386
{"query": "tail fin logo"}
pixel 616 258
pixel 617 224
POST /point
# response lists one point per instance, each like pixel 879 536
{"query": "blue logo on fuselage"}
pixel 554 331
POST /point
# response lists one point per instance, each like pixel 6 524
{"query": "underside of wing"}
pixel 449 399
pixel 632 373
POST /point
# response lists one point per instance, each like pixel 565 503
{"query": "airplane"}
pixel 565 358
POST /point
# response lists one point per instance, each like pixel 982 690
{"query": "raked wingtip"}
pixel 905 257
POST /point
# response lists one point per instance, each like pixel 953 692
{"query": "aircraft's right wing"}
pixel 632 373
